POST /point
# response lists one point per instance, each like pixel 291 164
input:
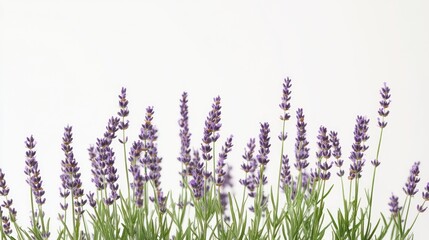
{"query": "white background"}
pixel 65 63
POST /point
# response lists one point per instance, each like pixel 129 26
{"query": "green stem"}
pixel 125 160
pixel 280 167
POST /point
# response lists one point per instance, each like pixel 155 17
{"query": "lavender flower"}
pixel 425 194
pixel 385 101
pixel 5 223
pixel 301 149
pixel 185 136
pixel 32 171
pixel 285 104
pixel 91 199
pixel 335 142
pixel 394 205
pixel 359 147
pixel 412 180
pixel 285 175
pixel 123 111
pixel 421 208
pixel 103 159
pixel 4 191
pixel 70 176
pixel 264 144
pixel 324 152
pixel 197 182
pixel 249 167
pixel 220 172
pixel 211 129
pixel 139 180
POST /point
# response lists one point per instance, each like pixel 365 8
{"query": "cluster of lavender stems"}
pixel 144 166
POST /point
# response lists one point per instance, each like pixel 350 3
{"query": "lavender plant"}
pixel 294 208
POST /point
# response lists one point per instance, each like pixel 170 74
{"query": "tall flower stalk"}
pixel 34 180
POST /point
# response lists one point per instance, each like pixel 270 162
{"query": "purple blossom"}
pixel 5 223
pixel 359 147
pixel 394 205
pixel 264 144
pixel 185 136
pixel 249 167
pixel 211 128
pixel 197 181
pixel 285 104
pixel 285 175
pixel 32 171
pixel 70 176
pixel 220 172
pixel 324 152
pixel 139 180
pixel 412 180
pixel 385 101
pixel 91 199
pixel 102 159
pixel 421 208
pixel 425 194
pixel 336 152
pixel 4 191
pixel 301 149
pixel 123 111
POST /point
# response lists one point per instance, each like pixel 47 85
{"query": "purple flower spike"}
pixel 185 135
pixel 301 149
pixel 425 194
pixel 249 167
pixel 421 208
pixel 335 141
pixel 250 163
pixel 197 182
pixel 70 176
pixel 123 109
pixel 285 104
pixel 359 147
pixel 323 144
pixel 5 223
pixel 4 191
pixel 32 171
pixel 102 159
pixel 211 129
pixel 285 175
pixel 412 180
pixel 264 144
pixel 385 101
pixel 394 205
pixel 220 172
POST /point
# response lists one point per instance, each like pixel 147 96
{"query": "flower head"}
pixel 359 147
pixel 264 144
pixel 285 104
pixel 301 149
pixel 123 109
pixel 285 175
pixel 220 171
pixel 32 171
pixel 394 205
pixel 336 152
pixel 412 180
pixel 425 194
pixel 185 136
pixel 385 101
